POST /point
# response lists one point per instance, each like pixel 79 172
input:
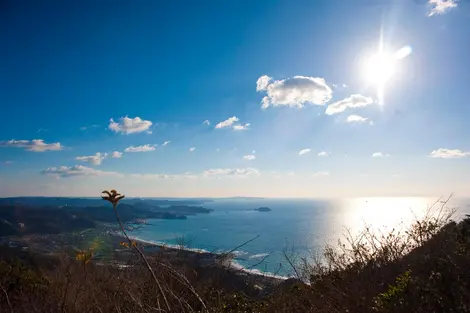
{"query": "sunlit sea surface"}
pixel 299 226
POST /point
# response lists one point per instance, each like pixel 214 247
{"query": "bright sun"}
pixel 379 68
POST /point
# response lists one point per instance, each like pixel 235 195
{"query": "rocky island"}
pixel 263 209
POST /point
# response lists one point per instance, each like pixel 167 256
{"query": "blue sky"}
pixel 299 99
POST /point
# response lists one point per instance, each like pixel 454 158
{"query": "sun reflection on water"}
pixel 383 214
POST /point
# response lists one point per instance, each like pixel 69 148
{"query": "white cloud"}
pixel 192 149
pixel 439 7
pixel 93 159
pixel 304 151
pixel 128 125
pixel 380 155
pixel 353 101
pixel 144 148
pixel 449 153
pixel 228 122
pixel 163 176
pixel 238 172
pixel 323 154
pixel 116 154
pixel 73 171
pixel 206 122
pixel 35 145
pixel 263 82
pixel 321 174
pixel 166 143
pixel 294 92
pixel 249 157
pixel 241 127
pixel 356 119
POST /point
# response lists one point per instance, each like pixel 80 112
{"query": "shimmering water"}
pixel 300 226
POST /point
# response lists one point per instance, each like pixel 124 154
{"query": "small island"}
pixel 263 209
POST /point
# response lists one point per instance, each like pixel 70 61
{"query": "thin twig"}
pixel 7 297
pixel 225 255
pixel 144 258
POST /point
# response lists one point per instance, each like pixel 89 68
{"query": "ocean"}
pixel 298 227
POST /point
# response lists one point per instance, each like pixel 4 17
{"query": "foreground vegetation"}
pixel 424 269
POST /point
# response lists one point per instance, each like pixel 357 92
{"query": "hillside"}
pixel 423 270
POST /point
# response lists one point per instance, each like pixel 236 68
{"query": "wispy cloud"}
pixel 304 151
pixel 448 153
pixel 116 154
pixel 294 92
pixel 241 127
pixel 128 125
pixel 249 157
pixel 166 143
pixel 353 101
pixel 83 128
pixel 192 149
pixel 228 172
pixel 356 119
pixel 231 122
pixel 380 155
pixel 227 123
pixel 35 145
pixel 323 154
pixel 74 171
pixel 144 148
pixel 93 159
pixel 439 7
pixel 321 174
pixel 206 122
pixel 164 176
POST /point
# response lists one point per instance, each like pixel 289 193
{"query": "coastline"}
pixel 194 255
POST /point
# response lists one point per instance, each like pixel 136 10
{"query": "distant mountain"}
pixel 27 215
pixel 69 201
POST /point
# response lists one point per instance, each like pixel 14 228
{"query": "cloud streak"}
pixel 356 119
pixel 227 172
pixel 144 148
pixel 75 171
pixel 35 145
pixel 304 151
pixel 93 159
pixel 351 102
pixel 448 153
pixel 380 155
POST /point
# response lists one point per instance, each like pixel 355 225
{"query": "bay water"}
pixel 298 227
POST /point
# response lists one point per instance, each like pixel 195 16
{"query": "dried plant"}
pixel 114 197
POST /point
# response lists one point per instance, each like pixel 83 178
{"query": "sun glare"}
pixel 379 68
